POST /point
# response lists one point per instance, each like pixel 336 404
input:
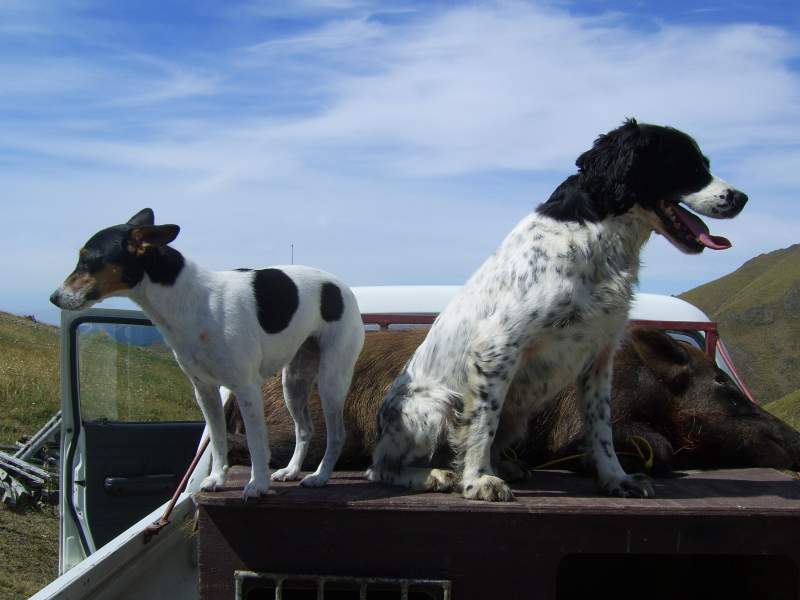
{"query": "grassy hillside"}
pixel 758 309
pixel 28 552
pixel 28 376
pixel 118 382
pixel 131 383
pixel 787 408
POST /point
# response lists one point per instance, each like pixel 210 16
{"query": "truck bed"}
pixel 729 533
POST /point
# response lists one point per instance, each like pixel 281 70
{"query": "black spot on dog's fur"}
pixel 331 302
pixel 277 299
pixel 163 265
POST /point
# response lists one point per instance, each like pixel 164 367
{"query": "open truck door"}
pixel 130 426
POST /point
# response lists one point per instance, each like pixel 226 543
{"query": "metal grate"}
pixel 269 586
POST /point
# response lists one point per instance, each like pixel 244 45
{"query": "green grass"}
pixel 28 552
pixel 118 382
pixel 758 311
pixel 29 392
pixel 129 383
pixel 714 295
pixel 787 408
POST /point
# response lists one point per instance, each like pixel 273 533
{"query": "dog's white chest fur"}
pixel 568 285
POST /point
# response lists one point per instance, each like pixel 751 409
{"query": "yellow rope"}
pixel 511 455
pixel 550 463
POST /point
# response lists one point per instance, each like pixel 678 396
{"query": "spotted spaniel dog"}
pixel 546 310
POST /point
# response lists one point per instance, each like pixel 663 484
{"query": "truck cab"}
pixel 131 429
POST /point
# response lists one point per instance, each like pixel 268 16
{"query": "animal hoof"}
pixel 254 489
pixel 487 487
pixel 314 480
pixel 638 485
pixel 286 474
pixel 441 480
pixel 213 482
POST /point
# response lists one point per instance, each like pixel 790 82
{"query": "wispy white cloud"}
pixel 502 86
pixel 388 150
pixel 335 35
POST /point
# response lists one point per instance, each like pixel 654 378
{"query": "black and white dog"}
pixel 233 329
pixel 544 311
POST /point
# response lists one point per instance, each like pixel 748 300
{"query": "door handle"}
pixel 140 485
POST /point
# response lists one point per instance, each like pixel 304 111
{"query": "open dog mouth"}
pixel 686 230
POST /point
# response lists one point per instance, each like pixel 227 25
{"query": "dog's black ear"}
pixel 142 218
pixel 151 236
pixel 613 172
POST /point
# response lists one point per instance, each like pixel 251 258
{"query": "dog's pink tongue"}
pixel 695 224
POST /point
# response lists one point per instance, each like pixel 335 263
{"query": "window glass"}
pixel 128 373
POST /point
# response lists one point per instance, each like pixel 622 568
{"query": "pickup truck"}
pixel 131 430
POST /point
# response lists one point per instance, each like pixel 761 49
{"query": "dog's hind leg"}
pixel 594 395
pixel 337 361
pixel 208 398
pixel 413 422
pixel 251 406
pixel 299 377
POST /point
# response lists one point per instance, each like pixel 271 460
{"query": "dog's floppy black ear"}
pixel 143 217
pixel 151 236
pixel 612 171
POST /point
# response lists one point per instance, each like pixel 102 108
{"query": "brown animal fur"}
pixel 668 393
pixel 384 354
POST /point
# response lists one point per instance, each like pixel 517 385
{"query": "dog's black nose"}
pixel 54 298
pixel 736 199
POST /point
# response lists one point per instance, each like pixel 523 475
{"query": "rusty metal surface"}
pixel 750 491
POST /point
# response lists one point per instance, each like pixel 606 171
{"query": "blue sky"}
pixel 390 142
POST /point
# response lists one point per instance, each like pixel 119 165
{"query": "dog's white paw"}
pixel 314 480
pixel 213 482
pixel 487 487
pixel 286 474
pixel 254 489
pixel 441 480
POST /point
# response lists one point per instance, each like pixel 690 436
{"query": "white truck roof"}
pixel 426 299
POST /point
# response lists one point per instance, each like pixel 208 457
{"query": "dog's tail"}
pixel 413 423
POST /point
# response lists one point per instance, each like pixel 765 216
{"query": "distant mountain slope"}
pixel 29 392
pixel 118 380
pixel 787 408
pixel 758 310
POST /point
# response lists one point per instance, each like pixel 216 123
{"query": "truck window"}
pixel 127 373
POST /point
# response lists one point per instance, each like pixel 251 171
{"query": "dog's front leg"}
pixel 208 399
pixel 251 406
pixel 492 363
pixel 594 395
